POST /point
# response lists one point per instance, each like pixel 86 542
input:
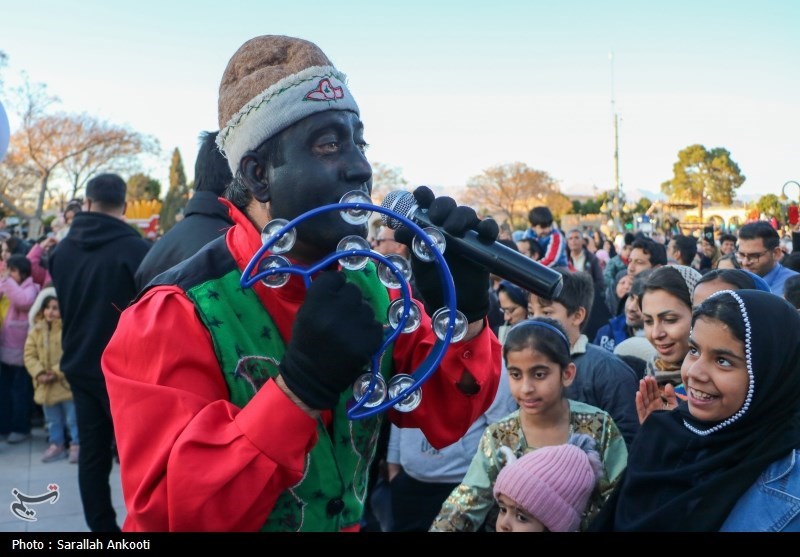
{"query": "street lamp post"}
pixel 786 203
pixel 783 189
pixel 617 192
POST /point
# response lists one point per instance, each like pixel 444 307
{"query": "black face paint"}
pixel 322 158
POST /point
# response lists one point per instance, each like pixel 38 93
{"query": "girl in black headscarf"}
pixel 727 458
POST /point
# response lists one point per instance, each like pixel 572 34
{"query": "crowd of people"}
pixel 657 390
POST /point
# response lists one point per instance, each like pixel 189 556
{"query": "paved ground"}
pixel 22 469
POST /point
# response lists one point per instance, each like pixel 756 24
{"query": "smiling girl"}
pixel 727 458
pixel 536 353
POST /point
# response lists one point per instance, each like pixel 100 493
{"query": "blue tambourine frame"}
pixel 434 357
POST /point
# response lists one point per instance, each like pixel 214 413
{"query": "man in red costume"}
pixel 230 403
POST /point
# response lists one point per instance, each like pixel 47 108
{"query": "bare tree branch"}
pixel 508 191
pixel 54 145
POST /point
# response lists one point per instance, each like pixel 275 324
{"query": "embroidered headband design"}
pixel 325 92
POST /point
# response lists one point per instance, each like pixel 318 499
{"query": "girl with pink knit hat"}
pixel 537 358
pixel 547 490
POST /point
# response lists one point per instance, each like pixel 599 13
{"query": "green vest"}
pixel 248 346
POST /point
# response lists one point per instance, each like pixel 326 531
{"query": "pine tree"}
pixel 178 193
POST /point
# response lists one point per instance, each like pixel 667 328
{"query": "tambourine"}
pixel 371 392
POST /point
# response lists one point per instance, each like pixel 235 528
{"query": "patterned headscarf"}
pixel 690 276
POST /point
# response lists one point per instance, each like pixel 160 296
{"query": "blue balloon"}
pixel 5 132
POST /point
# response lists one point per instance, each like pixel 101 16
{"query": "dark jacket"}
pixel 599 315
pixel 592 267
pixel 92 270
pixel 612 333
pixel 205 219
pixel 605 381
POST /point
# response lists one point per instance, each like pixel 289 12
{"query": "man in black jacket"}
pixel 581 259
pixel 92 270
pixel 205 218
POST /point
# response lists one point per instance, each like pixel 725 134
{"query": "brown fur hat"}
pixel 271 82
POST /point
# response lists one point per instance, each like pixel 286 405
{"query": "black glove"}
pixel 334 336
pixel 471 280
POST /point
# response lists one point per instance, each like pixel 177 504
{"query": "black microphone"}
pixel 495 257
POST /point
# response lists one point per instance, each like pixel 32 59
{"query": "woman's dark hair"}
pixel 732 258
pixel 514 292
pixel 46 301
pixel 527 334
pixel 629 238
pixel 13 244
pixel 725 309
pixel 669 280
pixel 21 264
pixel 74 205
pixel 792 261
pixel 737 278
pixel 791 290
pixel 612 249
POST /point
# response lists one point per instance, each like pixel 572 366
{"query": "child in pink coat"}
pixel 16 388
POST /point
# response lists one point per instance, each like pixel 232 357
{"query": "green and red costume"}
pixel 207 440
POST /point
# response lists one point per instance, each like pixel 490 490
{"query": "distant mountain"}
pixel 631 195
pixel 635 195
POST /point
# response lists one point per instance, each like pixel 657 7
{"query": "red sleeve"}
pixel 554 248
pixel 191 460
pixel 445 412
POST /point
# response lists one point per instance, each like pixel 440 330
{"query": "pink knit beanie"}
pixel 553 484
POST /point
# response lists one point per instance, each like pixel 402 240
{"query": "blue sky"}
pixel 449 88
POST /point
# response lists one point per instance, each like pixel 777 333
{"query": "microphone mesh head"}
pixel 401 202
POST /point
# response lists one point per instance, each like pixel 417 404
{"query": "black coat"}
pixel 598 314
pixel 92 270
pixel 206 218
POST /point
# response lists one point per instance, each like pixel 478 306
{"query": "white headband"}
pixel 283 103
